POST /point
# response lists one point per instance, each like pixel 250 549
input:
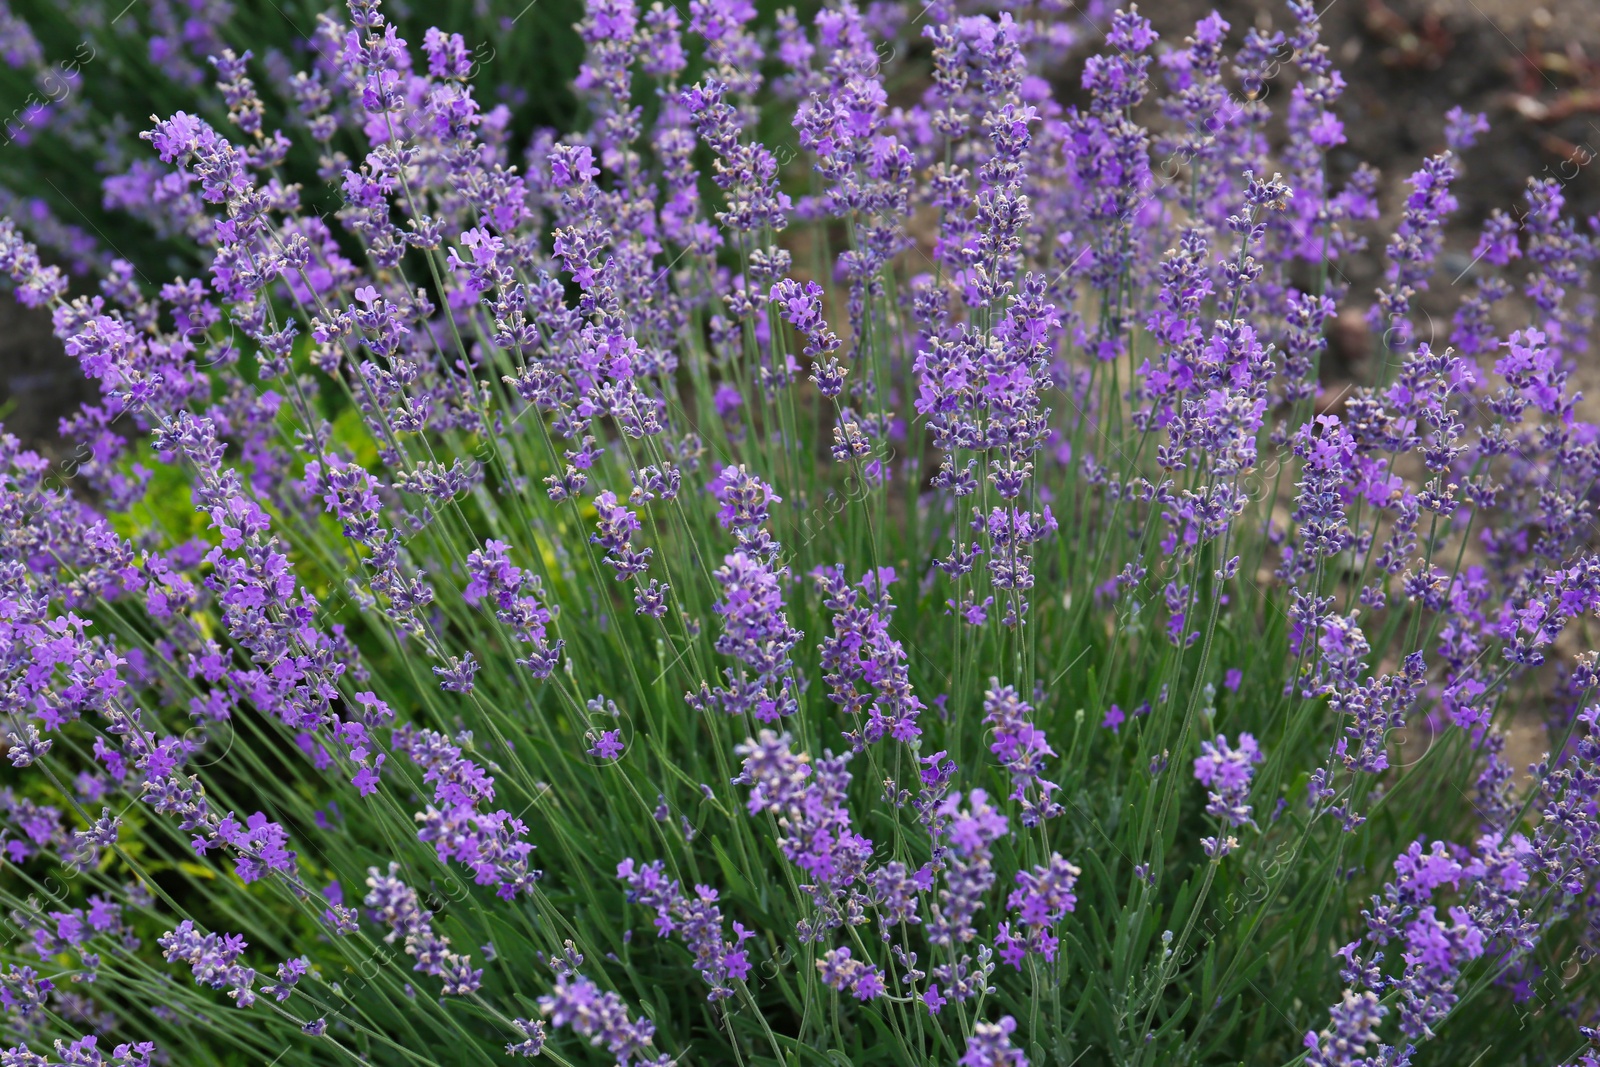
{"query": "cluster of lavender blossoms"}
pixel 870 405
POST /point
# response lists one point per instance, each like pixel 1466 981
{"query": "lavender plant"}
pixel 843 557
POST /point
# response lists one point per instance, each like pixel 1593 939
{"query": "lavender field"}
pixel 982 534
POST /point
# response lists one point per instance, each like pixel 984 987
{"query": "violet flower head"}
pixel 1352 1028
pixel 808 798
pixel 1461 128
pixel 864 665
pixel 606 745
pixel 1043 897
pixel 601 1016
pixel 744 499
pixel 756 633
pixel 213 958
pixel 1022 750
pixel 697 920
pixel 1226 771
pixel 990 1045
pixel 845 974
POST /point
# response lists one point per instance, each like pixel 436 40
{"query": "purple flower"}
pixel 1461 128
pixel 84 1052
pixel 606 745
pixel 808 799
pixel 746 171
pixel 572 164
pixel 601 1017
pixel 289 974
pixel 584 295
pixel 1226 772
pixel 727 400
pixel 744 499
pixel 864 666
pixel 1022 750
pixel 366 779
pixel 1042 898
pixel 969 874
pixel 756 633
pixel 533 1038
pixel 1352 1027
pixel 847 975
pixel 213 958
pixel 397 906
pixel 990 1045
pixel 457 823
pixel 697 920
pixel 457 676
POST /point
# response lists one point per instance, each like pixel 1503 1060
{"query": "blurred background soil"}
pixel 1533 69
pixel 38 383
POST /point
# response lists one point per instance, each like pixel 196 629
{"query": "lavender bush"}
pixel 843 558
